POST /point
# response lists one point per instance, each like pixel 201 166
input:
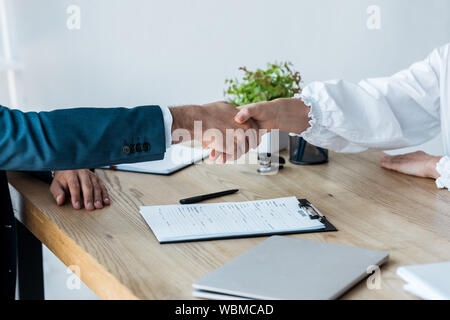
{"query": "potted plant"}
pixel 277 80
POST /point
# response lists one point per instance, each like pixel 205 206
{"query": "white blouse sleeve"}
pixel 377 114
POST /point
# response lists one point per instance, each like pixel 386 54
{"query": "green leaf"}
pixel 278 80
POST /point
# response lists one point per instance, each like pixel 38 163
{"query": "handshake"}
pixel 230 131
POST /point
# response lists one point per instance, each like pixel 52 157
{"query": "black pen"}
pixel 207 196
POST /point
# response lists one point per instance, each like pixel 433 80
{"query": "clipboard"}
pixel 314 213
pixel 304 204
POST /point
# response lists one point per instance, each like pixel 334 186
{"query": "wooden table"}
pixel 119 257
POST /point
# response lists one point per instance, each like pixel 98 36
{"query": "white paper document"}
pixel 172 223
pixel 427 281
pixel 175 158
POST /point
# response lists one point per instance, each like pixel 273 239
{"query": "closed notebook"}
pixel 176 157
pixel 290 268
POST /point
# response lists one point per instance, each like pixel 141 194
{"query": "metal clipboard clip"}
pixel 312 211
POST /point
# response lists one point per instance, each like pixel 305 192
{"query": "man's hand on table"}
pixel 82 186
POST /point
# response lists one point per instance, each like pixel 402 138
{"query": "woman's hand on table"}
pixel 416 163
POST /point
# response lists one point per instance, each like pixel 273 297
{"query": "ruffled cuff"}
pixel 443 168
pixel 314 114
pixel 318 133
pixel 327 120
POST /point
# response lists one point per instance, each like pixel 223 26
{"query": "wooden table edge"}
pixel 42 227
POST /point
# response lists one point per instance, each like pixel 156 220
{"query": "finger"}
pixel 98 198
pixel 394 163
pixel 247 145
pixel 58 192
pixel 208 142
pixel 387 161
pixel 245 113
pixel 88 190
pixel 105 194
pixel 214 155
pixel 74 189
pixel 386 164
pixel 252 138
pixel 253 134
pixel 242 145
pixel 385 158
pixel 222 158
pixel 219 157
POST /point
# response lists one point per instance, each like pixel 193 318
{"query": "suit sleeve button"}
pixel 126 149
pixel 146 146
pixel 138 147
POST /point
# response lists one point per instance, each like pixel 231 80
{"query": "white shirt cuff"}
pixel 443 168
pixel 167 116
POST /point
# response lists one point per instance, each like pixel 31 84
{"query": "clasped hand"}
pixel 248 123
pixel 214 126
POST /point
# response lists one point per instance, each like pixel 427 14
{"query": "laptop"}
pixel 290 269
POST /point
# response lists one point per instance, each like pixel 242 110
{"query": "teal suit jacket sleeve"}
pixel 80 138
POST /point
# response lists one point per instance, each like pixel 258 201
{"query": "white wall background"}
pixel 137 52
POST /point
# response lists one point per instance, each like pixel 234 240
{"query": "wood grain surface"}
pixel 119 257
